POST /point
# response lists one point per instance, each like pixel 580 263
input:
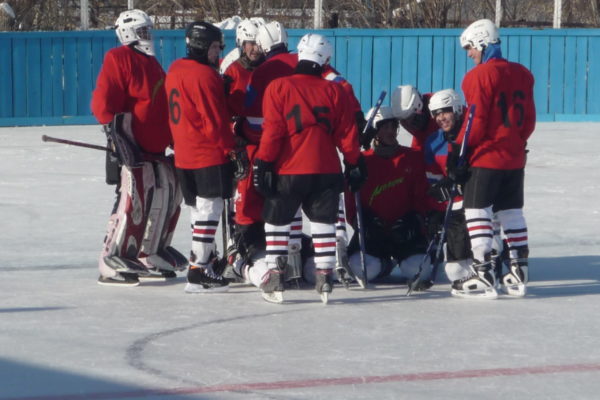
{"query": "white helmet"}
pixel 246 31
pixel 316 48
pixel 479 34
pixel 270 35
pixel 383 114
pixel 406 101
pixel 133 26
pixel 446 99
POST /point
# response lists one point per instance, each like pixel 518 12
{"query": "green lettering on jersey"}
pixel 383 187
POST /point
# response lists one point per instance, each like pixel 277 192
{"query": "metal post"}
pixel 557 13
pixel 498 12
pixel 318 14
pixel 130 4
pixel 84 15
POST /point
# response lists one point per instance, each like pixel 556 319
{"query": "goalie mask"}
pixel 133 27
pixel 406 101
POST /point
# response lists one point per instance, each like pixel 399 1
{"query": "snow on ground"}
pixel 62 336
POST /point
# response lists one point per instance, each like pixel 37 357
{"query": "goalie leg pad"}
pixel 123 140
pixel 126 226
pixel 165 198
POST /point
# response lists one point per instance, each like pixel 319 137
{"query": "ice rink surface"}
pixel 62 336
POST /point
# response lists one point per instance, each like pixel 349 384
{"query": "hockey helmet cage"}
pixel 479 35
pixel 270 35
pixel 246 31
pixel 446 100
pixel 406 101
pixel 133 27
pixel 316 48
pixel 383 114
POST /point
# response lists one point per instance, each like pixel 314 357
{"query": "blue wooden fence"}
pixel 46 78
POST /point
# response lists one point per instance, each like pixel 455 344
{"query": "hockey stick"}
pixel 414 283
pixel 46 138
pixel 359 216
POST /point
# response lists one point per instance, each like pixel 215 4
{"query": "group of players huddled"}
pixel 266 140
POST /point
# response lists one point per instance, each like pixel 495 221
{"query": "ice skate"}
pixel 293 266
pixel 125 265
pixel 515 280
pixel 160 275
pixel 204 280
pixel 122 279
pixel 324 283
pixel 479 285
pixel 273 284
pixel 342 267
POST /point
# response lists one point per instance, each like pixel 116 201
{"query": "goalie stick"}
pixel 359 216
pixel 46 138
pixel 441 237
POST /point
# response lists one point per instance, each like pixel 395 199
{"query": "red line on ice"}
pixel 352 380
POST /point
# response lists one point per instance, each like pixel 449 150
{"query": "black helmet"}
pixel 199 36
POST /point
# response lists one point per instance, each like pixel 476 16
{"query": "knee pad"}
pixel 373 265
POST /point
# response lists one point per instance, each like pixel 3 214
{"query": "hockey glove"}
pixel 356 175
pixel 459 173
pixel 366 137
pixel 441 189
pixel 241 164
pixel 264 177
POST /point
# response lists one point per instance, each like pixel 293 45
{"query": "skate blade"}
pixel 158 276
pixel 273 297
pixel 516 290
pixel 196 288
pixel 325 297
pixel 117 282
pixel 361 282
pixel 487 294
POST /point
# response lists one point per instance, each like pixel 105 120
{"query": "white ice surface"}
pixel 62 336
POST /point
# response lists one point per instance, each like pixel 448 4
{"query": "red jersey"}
pixel 198 115
pixel 395 187
pixel 280 65
pixel 240 77
pixel 331 74
pixel 502 93
pixel 306 119
pixel 130 81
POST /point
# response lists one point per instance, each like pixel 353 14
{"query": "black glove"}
pixel 366 137
pixel 240 162
pixel 459 173
pixel 264 177
pixel 441 190
pixel 356 175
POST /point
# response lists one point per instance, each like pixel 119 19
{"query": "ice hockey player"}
pixel 237 74
pixel 307 120
pixel 412 109
pixel 441 154
pixel 204 147
pixel 129 99
pixel 504 119
pixel 393 201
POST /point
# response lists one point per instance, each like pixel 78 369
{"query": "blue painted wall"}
pixel 47 77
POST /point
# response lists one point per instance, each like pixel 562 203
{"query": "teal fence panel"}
pixel 48 77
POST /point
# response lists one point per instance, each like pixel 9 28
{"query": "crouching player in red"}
pixel 129 99
pixel 394 201
pixel 307 120
pixel 204 147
